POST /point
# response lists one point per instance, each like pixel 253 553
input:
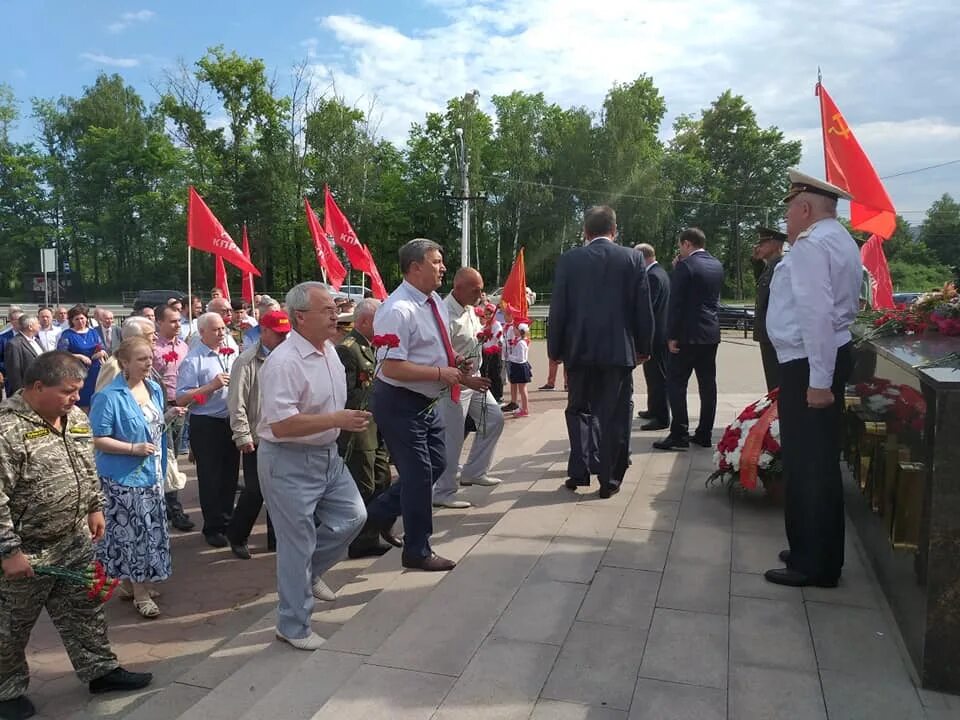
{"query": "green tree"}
pixel 941 230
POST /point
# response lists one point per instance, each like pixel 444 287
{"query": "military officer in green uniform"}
pixel 767 253
pixel 364 452
pixel 50 508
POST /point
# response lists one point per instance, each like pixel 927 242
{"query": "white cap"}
pixel 801 182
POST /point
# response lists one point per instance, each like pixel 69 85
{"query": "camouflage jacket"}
pixel 358 360
pixel 48 479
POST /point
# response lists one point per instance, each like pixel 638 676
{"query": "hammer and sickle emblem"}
pixel 840 128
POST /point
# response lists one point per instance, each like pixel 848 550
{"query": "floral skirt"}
pixel 136 545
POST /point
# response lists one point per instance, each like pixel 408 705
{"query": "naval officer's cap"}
pixel 801 182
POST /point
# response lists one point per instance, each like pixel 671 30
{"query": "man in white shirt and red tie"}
pixel 412 376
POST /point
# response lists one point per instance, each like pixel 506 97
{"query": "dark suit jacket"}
pixel 600 310
pixel 695 299
pixel 115 339
pixel 659 283
pixel 17 355
pixel 359 362
pixel 763 300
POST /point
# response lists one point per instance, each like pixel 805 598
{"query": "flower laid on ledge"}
pixel 902 407
pixel 93 577
pixel 938 310
pixel 750 447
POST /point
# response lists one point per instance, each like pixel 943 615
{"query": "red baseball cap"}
pixel 277 321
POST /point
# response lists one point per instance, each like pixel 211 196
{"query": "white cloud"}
pixel 130 18
pixel 883 63
pixel 108 61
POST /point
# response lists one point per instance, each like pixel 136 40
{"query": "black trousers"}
pixel 371 472
pixel 771 366
pixel 491 367
pixel 701 360
pixel 248 505
pixel 598 414
pixel 218 464
pixel 655 375
pixel 813 511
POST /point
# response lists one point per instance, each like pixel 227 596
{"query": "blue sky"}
pixel 887 64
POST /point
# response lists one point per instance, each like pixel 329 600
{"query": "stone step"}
pixel 233 678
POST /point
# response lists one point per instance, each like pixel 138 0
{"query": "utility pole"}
pixel 465 208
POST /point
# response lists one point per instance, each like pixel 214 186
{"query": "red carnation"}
pixel 226 351
pixel 170 357
pixel 388 341
pixel 479 312
pixel 200 399
pixel 484 336
pixel 97 348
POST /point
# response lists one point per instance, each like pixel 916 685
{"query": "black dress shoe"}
pixel 646 415
pixel 784 556
pixel 654 425
pixel 120 679
pixel 608 491
pixel 362 551
pixel 432 563
pixel 217 540
pixel 573 484
pixel 386 532
pixel 795 578
pixel 672 443
pixel 18 708
pixel 181 521
pixel 702 440
pixel 240 550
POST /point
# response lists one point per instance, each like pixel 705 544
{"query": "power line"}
pixel 919 170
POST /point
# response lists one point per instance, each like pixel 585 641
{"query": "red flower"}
pixel 492 350
pixel 226 351
pixel 98 348
pixel 200 399
pixel 479 312
pixel 170 357
pixel 388 341
pixel 484 336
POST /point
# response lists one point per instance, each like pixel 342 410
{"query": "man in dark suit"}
pixel 108 332
pixel 601 327
pixel 655 371
pixel 693 336
pixel 767 253
pixel 19 353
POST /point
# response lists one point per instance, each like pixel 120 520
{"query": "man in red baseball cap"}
pixel 243 402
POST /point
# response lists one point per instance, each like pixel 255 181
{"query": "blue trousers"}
pixel 317 511
pixel 414 437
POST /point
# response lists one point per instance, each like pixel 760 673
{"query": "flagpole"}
pixel 826 165
pixel 189 286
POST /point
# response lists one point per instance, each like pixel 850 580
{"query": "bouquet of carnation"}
pixel 902 407
pixel 93 577
pixel 750 447
pixel 885 323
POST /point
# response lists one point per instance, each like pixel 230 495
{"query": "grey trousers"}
pixel 485 442
pixel 317 511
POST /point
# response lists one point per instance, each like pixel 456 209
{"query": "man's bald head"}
pixel 467 286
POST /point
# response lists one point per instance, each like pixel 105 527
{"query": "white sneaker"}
pixel 322 591
pixel 482 480
pixel 453 504
pixel 310 642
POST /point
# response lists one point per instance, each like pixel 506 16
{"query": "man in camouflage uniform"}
pixel 367 460
pixel 50 506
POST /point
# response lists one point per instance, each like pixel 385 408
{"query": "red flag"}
pixel 874 260
pixel 204 232
pixel 515 289
pixel 871 209
pixel 246 279
pixel 338 227
pixel 326 258
pixel 220 277
pixel 376 282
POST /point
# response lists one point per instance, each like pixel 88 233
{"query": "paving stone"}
pixel 543 521
pixel 380 692
pixel 556 710
pixel 760 693
pixel 620 596
pixel 541 612
pixel 695 587
pixel 687 647
pixel 854 697
pixel 705 508
pixel 503 680
pixel 658 700
pixel 854 640
pixel 699 544
pixel 854 589
pixel 638 549
pixel 177 698
pixel 445 629
pixel 644 513
pixel 755 585
pixel 754 553
pixel 597 666
pixel 770 633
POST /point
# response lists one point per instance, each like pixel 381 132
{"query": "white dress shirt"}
pixel 814 298
pixel 407 315
pixel 48 338
pixel 464 326
pixel 295 379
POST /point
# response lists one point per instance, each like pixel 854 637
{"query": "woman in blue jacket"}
pixel 128 418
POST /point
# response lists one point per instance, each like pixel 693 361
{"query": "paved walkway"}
pixel 564 607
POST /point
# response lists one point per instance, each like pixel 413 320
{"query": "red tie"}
pixel 451 355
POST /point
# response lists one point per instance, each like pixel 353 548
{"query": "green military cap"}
pixel 764 234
